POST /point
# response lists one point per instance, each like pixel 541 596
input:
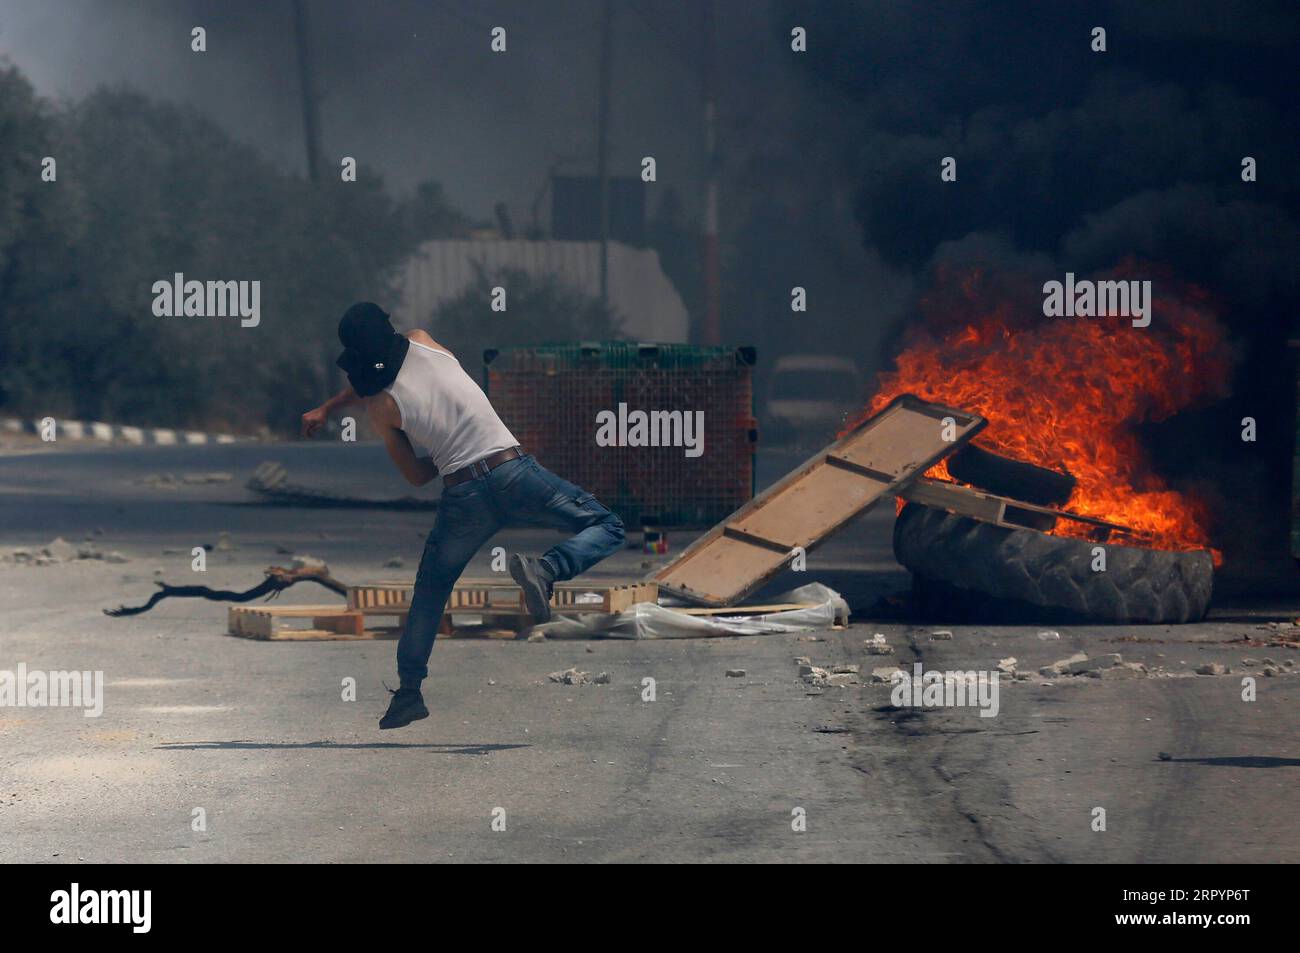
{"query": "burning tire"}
pixel 993 567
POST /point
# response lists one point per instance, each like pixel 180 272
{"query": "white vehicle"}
pixel 809 396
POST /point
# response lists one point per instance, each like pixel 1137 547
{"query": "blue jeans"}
pixel 469 513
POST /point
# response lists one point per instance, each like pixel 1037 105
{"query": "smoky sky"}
pixel 1067 158
pixel 409 87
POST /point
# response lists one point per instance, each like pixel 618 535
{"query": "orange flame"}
pixel 1066 393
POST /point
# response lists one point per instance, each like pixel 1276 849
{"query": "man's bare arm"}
pixel 314 419
pixel 386 420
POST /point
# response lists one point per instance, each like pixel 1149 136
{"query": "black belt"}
pixel 481 467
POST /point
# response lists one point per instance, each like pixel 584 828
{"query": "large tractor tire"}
pixel 993 569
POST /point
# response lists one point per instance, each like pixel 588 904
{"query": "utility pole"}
pixel 602 141
pixel 712 331
pixel 310 117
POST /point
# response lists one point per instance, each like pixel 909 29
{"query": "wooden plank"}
pixel 815 499
pixel 991 508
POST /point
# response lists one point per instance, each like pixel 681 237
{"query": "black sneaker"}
pixel 537 580
pixel 406 706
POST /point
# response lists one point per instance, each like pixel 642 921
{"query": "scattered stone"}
pixel 885 674
pixel 1212 668
pixel 571 676
pixel 831 729
pixel 1007 666
pixel 394 562
pixel 1124 670
pixel 116 557
pixel 941 635
pixel 802 660
pixel 60 550
pixel 876 645
pixel 308 562
pixel 1089 666
pixel 1047 635
pixel 1059 667
pixel 841 679
pixel 1289 663
pixel 537 637
pixel 160 481
pixel 1248 661
pixel 735 673
pixel 814 675
pixel 845 669
pixel 89 552
pixel 223 543
pixel 808 638
pixel 1269 671
pixel 601 679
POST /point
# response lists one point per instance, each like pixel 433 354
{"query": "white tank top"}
pixel 444 411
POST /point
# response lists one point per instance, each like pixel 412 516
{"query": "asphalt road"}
pixel 259 737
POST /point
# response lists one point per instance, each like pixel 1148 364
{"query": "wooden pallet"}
pixel 495 597
pixel 845 479
pixel 331 623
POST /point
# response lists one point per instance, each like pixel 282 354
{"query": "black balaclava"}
pixel 373 351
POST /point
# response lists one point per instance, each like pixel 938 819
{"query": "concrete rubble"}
pixel 877 645
pixel 572 676
pixel 839 674
pixel 58 551
pixel 1108 666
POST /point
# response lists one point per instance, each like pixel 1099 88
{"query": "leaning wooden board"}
pixel 844 480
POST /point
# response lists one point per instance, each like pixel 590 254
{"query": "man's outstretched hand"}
pixel 313 421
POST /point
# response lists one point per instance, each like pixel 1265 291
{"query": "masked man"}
pixel 417 395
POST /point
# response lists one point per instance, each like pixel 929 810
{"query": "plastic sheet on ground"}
pixel 646 620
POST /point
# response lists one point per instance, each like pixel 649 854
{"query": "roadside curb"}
pixel 109 433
